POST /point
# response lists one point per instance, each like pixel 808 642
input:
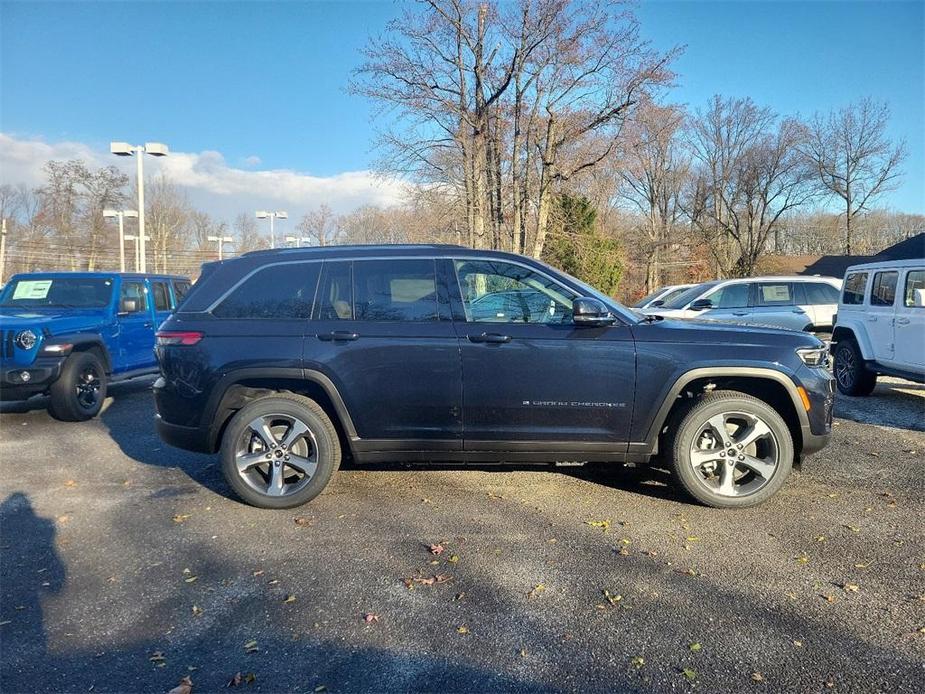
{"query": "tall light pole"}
pixel 298 240
pixel 221 240
pixel 264 214
pixel 121 215
pixel 155 149
pixel 134 237
pixel 2 247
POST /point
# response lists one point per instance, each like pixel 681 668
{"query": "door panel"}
pixel 531 375
pixel 879 314
pixel 398 368
pixel 909 336
pixel 136 328
pixel 774 305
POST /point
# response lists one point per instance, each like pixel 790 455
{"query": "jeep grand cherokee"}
pixel 283 361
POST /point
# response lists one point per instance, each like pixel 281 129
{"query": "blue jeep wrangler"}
pixel 69 334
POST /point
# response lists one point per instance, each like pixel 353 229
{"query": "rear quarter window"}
pixel 853 293
pixel 914 293
pixel 820 293
pixel 883 289
pixel 283 292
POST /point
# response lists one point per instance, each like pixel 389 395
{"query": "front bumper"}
pixel 820 389
pixel 41 374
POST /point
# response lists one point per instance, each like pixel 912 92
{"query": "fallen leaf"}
pixel 798 644
pixel 259 572
pixel 851 588
pixel 757 677
pixel 637 661
pixel 370 617
pixel 158 658
pixel 693 538
pixel 820 538
pixel 436 549
pixel 250 678
pixel 689 674
pixel 612 599
pixel 185 686
pixel 303 520
pixel 197 611
pixel 251 646
pixel 462 629
pixel 802 558
pixel 289 598
pixel 235 680
pixel 180 517
pixel 70 483
pixel 852 528
pixel 191 579
pixel 695 647
pixel 453 559
pixel 603 524
pixel 320 688
pixel 538 589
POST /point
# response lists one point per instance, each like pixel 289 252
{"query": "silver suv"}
pixel 797 303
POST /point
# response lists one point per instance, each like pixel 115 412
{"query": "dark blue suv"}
pixel 70 333
pixel 286 360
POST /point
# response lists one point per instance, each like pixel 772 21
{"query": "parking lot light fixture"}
pixel 266 214
pixel 155 149
pixel 221 241
pixel 134 237
pixel 297 241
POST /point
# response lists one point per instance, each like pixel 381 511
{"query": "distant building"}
pixel 835 265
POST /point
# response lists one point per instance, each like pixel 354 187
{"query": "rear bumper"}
pixel 188 438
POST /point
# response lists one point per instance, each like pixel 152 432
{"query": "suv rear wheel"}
pixel 730 450
pixel 851 376
pixel 280 451
pixel 80 390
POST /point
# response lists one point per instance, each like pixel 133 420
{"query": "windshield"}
pixel 57 292
pixel 688 295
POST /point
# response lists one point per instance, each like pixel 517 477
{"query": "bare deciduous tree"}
pixel 853 158
pixel 320 225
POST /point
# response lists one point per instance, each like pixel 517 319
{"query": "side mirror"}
pixel 701 304
pixel 128 306
pixel 656 303
pixel 590 312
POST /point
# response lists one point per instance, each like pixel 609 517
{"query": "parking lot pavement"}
pixel 126 565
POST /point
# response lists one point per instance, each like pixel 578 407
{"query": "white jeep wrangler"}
pixel 880 325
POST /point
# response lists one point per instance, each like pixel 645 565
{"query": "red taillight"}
pixel 178 337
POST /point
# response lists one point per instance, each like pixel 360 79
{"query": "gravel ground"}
pixel 127 565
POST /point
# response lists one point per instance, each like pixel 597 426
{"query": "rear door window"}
pixel 853 293
pixel 883 289
pixel 774 294
pixel 284 291
pixel 820 293
pixel 395 290
pixel 180 290
pixel 161 296
pixel 335 296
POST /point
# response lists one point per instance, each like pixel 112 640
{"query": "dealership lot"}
pixel 127 566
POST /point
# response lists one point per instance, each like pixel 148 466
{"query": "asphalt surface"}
pixel 127 565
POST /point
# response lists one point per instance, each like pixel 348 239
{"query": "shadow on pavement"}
pixel 894 403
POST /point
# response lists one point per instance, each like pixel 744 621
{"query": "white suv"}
pixel 880 325
pixel 801 302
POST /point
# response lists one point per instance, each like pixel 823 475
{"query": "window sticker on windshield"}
pixel 775 292
pixel 32 289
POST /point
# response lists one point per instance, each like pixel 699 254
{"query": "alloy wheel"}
pixel 844 367
pixel 87 387
pixel 277 455
pixel 734 454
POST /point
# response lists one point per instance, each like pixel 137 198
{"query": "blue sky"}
pixel 263 84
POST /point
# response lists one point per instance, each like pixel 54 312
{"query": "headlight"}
pixel 814 356
pixel 26 339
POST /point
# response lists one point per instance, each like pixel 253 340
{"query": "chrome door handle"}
pixel 493 338
pixel 338 336
pixel 871 319
pixel 902 321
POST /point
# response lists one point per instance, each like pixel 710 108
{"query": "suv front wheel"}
pixel 280 451
pixel 730 450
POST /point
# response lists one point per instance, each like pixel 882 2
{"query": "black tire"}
pixel 319 441
pixel 851 376
pixel 80 390
pixel 751 489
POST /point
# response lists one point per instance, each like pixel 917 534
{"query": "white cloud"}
pixel 210 182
